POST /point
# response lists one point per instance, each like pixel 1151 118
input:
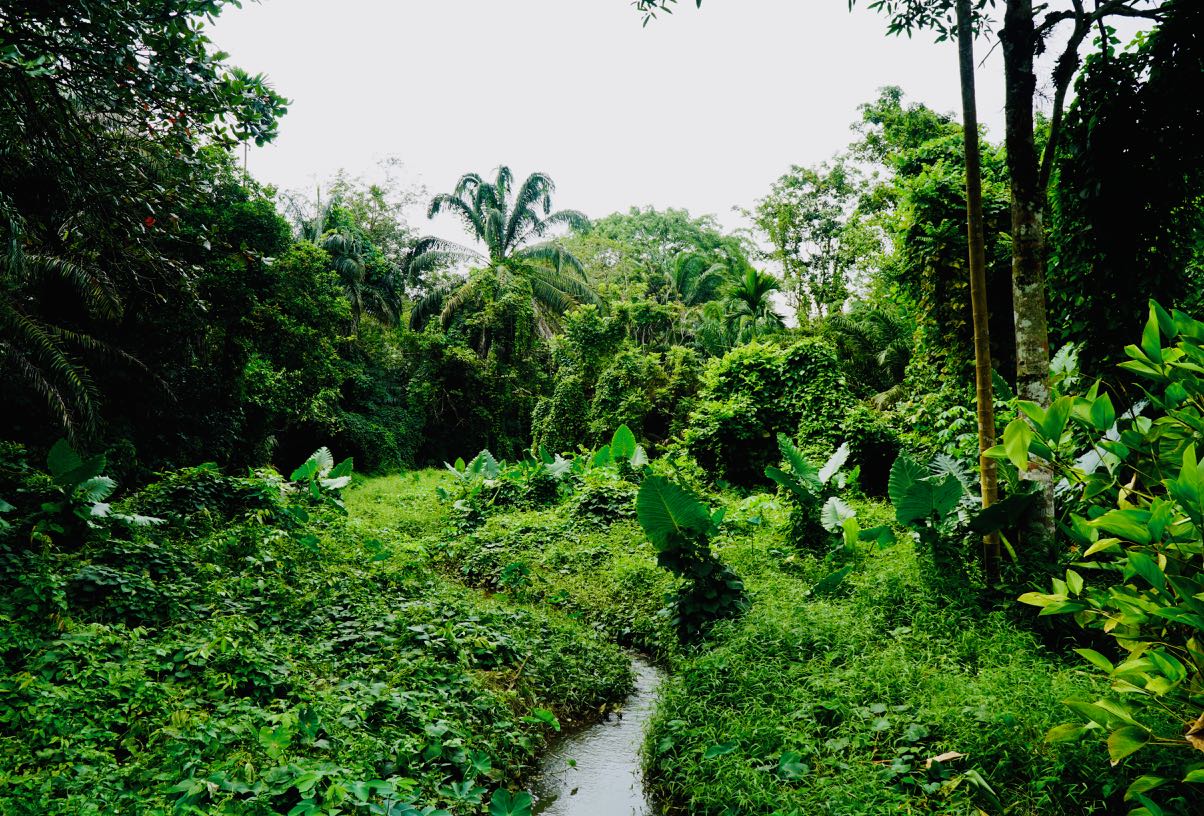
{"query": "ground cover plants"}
pixel 865 463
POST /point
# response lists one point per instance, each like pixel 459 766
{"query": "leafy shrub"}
pixel 756 391
pixel 815 506
pixel 679 525
pixel 1135 519
pixel 873 447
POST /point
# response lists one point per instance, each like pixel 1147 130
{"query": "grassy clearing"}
pixel 814 702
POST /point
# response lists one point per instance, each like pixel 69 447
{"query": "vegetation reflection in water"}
pixel 597 770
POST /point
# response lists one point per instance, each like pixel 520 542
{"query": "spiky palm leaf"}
pixel 39 353
pixel 505 219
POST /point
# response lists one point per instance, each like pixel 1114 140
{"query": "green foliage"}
pixel 812 495
pixel 1126 196
pixel 679 525
pixel 1133 516
pixel 756 391
pixel 271 664
pixel 868 696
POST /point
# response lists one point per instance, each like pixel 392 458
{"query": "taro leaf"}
pixel 790 766
pixel 834 512
pixel 336 484
pixel 803 470
pixel 541 716
pixel 307 470
pixel 666 510
pixel 324 459
pixel 342 469
pixel 62 459
pixel 622 446
pixel 96 489
pixel 719 750
pixel 834 463
pixel 603 457
pixel 917 496
pixel 1003 514
pixel 68 469
pixel 484 465
pixel 504 803
pixel 831 581
pixel 639 458
pixel 881 535
pixel 789 482
pixel 558 468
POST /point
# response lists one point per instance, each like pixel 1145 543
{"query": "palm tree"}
pixel 750 302
pixel 369 292
pixel 874 339
pixel 696 277
pixel 38 352
pixel 505 220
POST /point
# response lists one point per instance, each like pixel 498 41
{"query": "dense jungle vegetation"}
pixel 758 458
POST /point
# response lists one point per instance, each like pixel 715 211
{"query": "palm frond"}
pixel 456 205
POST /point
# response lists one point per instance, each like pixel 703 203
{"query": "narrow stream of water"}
pixel 606 779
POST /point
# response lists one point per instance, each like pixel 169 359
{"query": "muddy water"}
pixel 606 779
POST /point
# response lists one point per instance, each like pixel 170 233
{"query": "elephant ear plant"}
pixel 816 511
pixel 680 526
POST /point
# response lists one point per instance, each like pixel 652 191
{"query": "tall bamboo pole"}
pixel 978 283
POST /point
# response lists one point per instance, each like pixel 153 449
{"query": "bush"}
pixel 756 391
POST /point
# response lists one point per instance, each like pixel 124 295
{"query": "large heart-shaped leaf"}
pixel 666 510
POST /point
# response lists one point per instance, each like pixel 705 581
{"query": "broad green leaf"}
pixel 834 512
pixel 62 459
pixel 832 580
pixel 906 476
pixel 603 457
pixel 1103 415
pixel 1055 419
pixel 791 766
pixel 324 459
pixel 1141 564
pixel 1195 776
pixel 1127 524
pixel 504 803
pixel 307 470
pixel 1003 514
pixel 96 489
pixel 834 463
pixel 1096 659
pixel 1065 732
pixel 1125 741
pixel 1017 437
pixel 719 750
pixel 803 470
pixel 622 446
pixel 665 510
pixel 787 481
pixel 1144 784
pixel 342 469
pixel 1151 342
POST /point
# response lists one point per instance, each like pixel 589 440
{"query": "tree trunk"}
pixel 1019 41
pixel 983 385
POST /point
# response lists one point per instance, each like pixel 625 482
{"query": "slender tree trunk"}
pixel 1018 39
pixel 983 385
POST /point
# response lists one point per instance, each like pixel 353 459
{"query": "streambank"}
pixel 597 771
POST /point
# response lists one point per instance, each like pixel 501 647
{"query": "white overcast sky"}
pixel 701 109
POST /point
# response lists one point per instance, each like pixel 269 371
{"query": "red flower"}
pixel 149 221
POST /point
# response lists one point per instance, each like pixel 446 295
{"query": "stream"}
pixel 607 779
